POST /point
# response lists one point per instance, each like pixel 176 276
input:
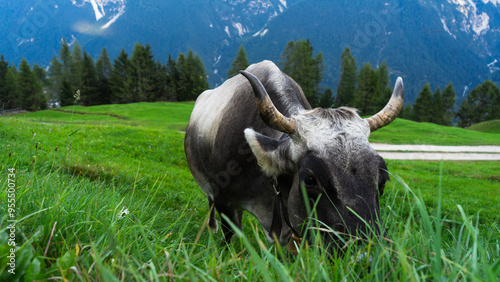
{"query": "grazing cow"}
pixel 256 134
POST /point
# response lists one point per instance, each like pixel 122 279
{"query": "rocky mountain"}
pixel 421 40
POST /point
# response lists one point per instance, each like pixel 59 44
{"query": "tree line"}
pixel 139 78
pixel 481 104
pixel 22 88
pixel 128 79
pixel 368 90
pixel 299 62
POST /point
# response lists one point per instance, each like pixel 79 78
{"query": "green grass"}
pixel 130 157
pixel 402 131
pixel 491 126
pixel 473 185
pixel 151 115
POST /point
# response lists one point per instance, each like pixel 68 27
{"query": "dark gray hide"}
pixel 233 156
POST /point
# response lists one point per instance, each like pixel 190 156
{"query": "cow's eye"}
pixel 312 188
pixel 309 181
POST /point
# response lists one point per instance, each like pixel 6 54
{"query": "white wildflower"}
pixel 123 213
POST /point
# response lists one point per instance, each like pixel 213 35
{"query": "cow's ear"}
pixel 272 155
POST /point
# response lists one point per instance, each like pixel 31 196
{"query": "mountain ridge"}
pixel 421 40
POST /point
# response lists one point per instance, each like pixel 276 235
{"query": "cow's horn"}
pixel 267 111
pixel 391 110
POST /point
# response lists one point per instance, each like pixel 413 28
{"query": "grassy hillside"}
pixel 151 115
pixel 402 131
pixel 104 193
pixel 491 126
pixel 176 116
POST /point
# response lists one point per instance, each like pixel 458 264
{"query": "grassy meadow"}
pixel 492 126
pixel 104 194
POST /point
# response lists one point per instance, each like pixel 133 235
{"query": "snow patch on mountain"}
pixel 445 27
pixel 474 20
pixel 492 66
pixel 481 23
pixel 121 11
pixel 109 10
pixel 261 32
pixel 71 41
pixel 241 17
pixel 98 10
pixel 494 2
pixel 217 60
pixel 241 30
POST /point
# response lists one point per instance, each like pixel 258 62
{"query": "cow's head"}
pixel 328 153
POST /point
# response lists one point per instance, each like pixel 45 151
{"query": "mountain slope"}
pixel 409 36
pixel 422 40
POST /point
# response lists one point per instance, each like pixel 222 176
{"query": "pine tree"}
pixel 56 77
pixel 198 75
pixel 383 69
pixel 88 89
pixel 76 65
pixel 161 81
pixel 318 72
pixel 103 65
pixel 423 108
pixel 327 100
pixel 65 57
pixel 67 92
pixel 142 75
pixel 364 99
pixel 45 82
pixel 300 66
pixel 8 85
pixel 406 112
pixel 173 78
pixel 120 79
pixel 239 63
pixel 104 92
pixel 286 58
pixel 297 61
pixel 376 95
pixel 104 70
pixel 449 98
pixel 62 68
pixel 183 79
pixel 41 75
pixel 348 78
pixel 192 76
pixel 12 98
pixel 31 96
pixel 4 68
pixel 383 90
pixel 482 104
pixel 437 107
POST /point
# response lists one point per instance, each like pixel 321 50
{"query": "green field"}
pixel 491 126
pixel 116 201
pixel 402 131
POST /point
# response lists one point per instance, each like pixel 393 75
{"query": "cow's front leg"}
pixel 227 212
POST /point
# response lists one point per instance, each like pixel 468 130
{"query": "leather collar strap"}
pixel 279 213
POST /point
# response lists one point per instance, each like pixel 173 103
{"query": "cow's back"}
pixel 216 150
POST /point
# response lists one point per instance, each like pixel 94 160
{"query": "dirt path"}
pixel 433 152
